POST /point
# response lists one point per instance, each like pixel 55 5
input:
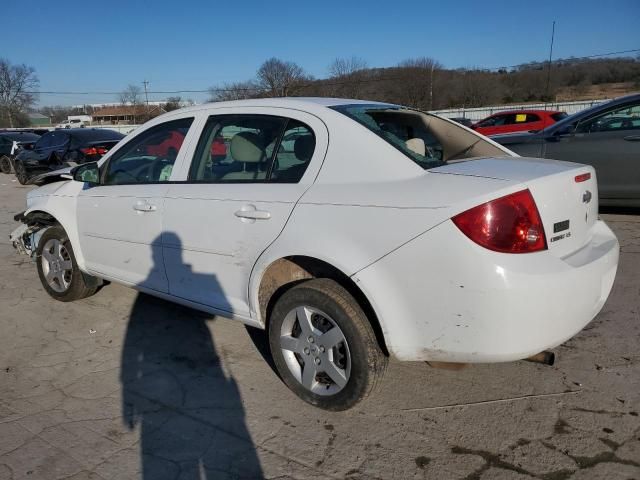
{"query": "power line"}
pixel 323 82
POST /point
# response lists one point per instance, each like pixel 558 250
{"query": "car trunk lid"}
pixel 565 193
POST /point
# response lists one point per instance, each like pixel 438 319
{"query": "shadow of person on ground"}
pixel 174 387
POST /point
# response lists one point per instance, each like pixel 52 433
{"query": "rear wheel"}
pixel 5 164
pixel 21 173
pixel 323 345
pixel 57 267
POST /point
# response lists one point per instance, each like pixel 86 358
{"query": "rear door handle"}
pixel 632 138
pixel 144 207
pixel 250 212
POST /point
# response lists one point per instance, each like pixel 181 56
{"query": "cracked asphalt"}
pixel 124 386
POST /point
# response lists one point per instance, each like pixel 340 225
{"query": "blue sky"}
pixel 103 46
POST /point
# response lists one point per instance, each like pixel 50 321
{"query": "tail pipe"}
pixel 546 358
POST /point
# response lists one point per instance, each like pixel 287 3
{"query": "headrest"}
pixel 416 145
pixel 246 147
pixel 303 147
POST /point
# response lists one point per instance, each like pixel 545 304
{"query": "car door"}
pixel 238 193
pixel 610 141
pixel 120 220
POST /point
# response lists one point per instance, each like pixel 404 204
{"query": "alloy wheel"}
pixel 315 350
pixel 56 265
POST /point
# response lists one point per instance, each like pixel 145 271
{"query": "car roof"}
pixel 527 111
pixel 20 136
pixel 89 134
pixel 309 104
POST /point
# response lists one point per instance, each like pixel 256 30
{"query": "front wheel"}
pixel 58 269
pixel 21 173
pixel 323 346
pixel 5 164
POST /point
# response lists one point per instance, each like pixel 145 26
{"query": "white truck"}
pixel 75 121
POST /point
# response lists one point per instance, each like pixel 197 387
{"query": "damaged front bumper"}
pixel 25 238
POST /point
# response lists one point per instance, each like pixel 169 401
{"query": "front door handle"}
pixel 632 138
pixel 249 212
pixel 144 207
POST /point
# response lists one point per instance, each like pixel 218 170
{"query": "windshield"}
pixel 569 119
pixel 428 140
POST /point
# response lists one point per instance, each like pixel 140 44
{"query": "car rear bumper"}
pixel 441 297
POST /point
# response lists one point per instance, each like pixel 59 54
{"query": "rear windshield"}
pixel 400 127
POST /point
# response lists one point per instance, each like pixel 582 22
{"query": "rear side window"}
pixel 559 116
pixel 294 153
pixel 532 117
pixel 252 149
pixel 149 157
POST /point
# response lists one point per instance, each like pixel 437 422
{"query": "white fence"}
pixel 482 112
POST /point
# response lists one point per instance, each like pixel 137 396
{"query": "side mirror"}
pixel 87 172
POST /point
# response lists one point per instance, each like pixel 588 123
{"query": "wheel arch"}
pixel 285 272
pixel 41 214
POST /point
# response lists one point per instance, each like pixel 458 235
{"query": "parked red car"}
pixel 517 121
pixel 169 146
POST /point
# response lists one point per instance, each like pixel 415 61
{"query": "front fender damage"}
pixel 25 238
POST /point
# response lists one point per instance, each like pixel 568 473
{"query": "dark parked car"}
pixel 60 148
pixel 467 122
pixel 10 144
pixel 606 136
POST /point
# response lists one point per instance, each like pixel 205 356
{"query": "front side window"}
pixel 149 157
pixel 621 118
pixel 252 149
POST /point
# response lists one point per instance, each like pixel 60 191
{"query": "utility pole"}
pixel 146 97
pixel 553 32
pixel 433 65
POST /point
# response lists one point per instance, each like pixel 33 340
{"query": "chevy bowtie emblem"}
pixel 586 198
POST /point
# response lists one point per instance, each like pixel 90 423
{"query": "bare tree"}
pixel 173 103
pixel 18 84
pixel 234 91
pixel 349 75
pixel 280 78
pixel 418 78
pixel 132 95
pixel 344 67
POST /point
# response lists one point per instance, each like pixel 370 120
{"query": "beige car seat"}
pixel 246 147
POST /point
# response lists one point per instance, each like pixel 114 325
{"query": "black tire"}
pixel 367 361
pixel 77 287
pixel 6 165
pixel 21 173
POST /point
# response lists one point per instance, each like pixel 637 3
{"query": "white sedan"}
pixel 350 230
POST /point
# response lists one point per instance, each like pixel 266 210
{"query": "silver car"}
pixel 606 136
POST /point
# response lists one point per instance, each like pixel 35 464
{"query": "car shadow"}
pixel 620 210
pixel 176 391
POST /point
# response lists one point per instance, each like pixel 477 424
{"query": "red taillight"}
pixel 582 177
pixel 508 224
pixel 94 150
